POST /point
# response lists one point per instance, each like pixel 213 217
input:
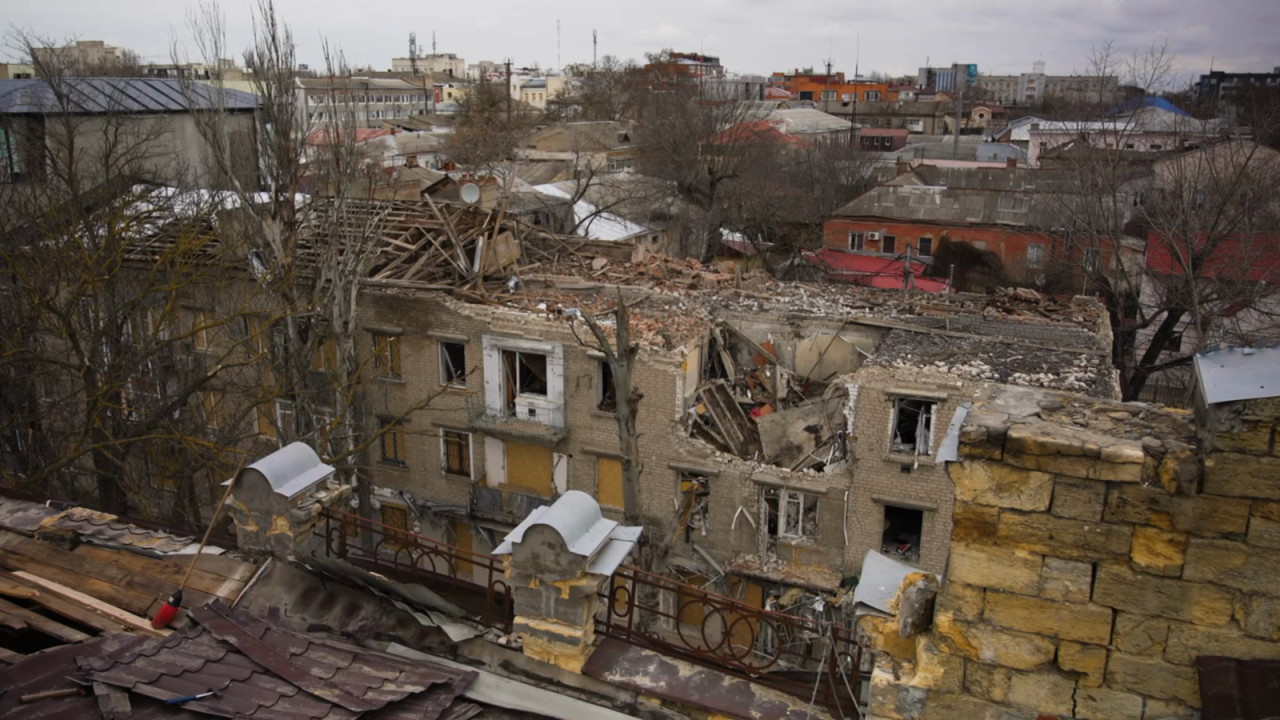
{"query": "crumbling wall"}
pixel 1092 562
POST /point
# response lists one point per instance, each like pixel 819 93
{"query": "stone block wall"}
pixel 1096 553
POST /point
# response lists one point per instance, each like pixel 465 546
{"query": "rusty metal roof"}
pixel 259 671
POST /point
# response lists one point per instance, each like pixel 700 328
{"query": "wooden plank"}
pixel 43 624
pixel 89 610
pixel 135 564
pixel 12 589
pixel 12 622
pixel 127 598
pixel 221 565
pixel 113 567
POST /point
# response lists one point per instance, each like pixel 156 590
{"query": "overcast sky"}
pixel 750 36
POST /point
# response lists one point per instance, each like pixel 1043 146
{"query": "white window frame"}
pixel 442 357
pixel 471 453
pixel 1036 256
pixel 794 501
pixel 857 240
pixel 926 421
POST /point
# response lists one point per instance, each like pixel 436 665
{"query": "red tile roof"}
pixel 873 270
pixel 752 132
pixel 1236 258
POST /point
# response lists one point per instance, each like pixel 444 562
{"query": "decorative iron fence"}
pixel 472 581
pixel 805 657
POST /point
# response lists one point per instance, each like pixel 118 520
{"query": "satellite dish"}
pixel 470 193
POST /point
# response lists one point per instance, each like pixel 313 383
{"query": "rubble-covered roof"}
pixel 979 359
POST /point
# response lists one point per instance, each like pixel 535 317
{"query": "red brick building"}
pixel 1010 212
pixel 882 139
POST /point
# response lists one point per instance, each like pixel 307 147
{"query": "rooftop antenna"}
pixel 857 55
pixel 433 42
pixel 413 53
pixel 557 44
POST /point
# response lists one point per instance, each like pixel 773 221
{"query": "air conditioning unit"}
pixel 873 236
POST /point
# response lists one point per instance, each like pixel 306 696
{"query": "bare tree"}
pixel 1170 219
pixel 112 389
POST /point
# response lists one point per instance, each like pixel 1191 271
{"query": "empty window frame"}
pixel 391 441
pixel 456 452
pixel 791 514
pixel 1092 259
pixel 902 530
pixel 857 240
pixel 386 354
pixel 606 390
pixel 912 425
pixel 695 503
pixel 523 373
pixel 924 246
pixel 453 364
pixel 1035 256
pixel 889 245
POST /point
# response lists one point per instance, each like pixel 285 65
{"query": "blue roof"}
pixel 100 95
pixel 1152 102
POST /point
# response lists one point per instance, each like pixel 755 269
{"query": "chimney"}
pixel 276 501
pixel 1011 162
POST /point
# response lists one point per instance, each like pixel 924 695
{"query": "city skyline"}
pixel 756 40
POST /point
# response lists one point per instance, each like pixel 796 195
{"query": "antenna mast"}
pixel 557 44
pixel 433 42
pixel 413 53
pixel 594 47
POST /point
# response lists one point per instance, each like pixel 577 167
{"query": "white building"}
pixel 442 63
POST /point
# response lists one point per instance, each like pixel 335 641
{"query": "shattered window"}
pixel 386 354
pixel 607 392
pixel 902 530
pixel 695 503
pixel 453 364
pixel 912 425
pixel 391 438
pixel 523 374
pixel 791 513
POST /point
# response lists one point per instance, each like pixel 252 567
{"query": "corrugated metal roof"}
pixel 1234 374
pixel 258 670
pixel 94 96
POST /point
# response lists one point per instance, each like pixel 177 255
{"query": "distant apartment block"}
pixel 82 53
pixel 369 100
pixel 1034 87
pixel 1219 85
pixel 686 65
pixel 442 63
pixel 947 79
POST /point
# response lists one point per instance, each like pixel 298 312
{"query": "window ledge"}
pixel 597 412
pixel 458 476
pixel 798 542
pixel 908 459
pixel 393 465
pixel 397 379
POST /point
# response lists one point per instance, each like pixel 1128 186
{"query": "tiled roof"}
pixel 258 671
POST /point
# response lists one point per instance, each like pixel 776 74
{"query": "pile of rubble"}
pixel 981 359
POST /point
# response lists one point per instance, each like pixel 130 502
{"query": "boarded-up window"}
pixel 266 423
pixel 386 354
pixel 529 468
pixel 609 482
pixel 457 452
pixel 213 408
pixel 392 441
pixel 397 521
pixel 200 327
pixel 463 541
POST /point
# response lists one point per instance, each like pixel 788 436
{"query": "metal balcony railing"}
pixel 505 505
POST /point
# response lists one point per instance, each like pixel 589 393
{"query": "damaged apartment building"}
pixel 784 429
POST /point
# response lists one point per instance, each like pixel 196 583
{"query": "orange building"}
pixel 805 85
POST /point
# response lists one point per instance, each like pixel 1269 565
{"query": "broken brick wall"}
pixel 1092 561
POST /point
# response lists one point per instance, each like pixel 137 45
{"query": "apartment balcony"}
pixel 533 419
pixel 506 506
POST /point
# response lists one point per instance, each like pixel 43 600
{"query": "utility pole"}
pixel 955 148
pixel 509 91
pixel 594 48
